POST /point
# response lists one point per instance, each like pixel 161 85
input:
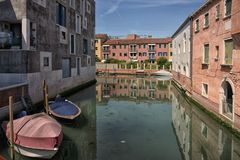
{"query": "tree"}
pixel 162 61
pixel 97 59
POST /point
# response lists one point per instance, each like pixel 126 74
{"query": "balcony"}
pixel 19 61
pixel 152 50
pixel 133 50
pixel 133 56
pixel 10 36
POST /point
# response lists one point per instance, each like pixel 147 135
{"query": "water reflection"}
pixel 199 136
pixel 132 88
pixel 127 117
pixel 134 119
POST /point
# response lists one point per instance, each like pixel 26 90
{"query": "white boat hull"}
pixel 162 73
pixel 35 153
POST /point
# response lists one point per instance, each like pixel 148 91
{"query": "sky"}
pixel 159 18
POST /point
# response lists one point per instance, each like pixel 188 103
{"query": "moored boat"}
pixel 64 109
pixel 1 158
pixel 36 136
pixel 162 73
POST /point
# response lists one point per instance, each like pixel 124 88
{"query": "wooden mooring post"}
pixel 11 127
pixel 45 96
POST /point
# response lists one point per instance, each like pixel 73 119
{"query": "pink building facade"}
pixel 215 58
pixel 135 48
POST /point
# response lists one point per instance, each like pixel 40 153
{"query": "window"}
pixel 125 46
pixel 96 48
pixel 88 60
pixel 206 20
pixel 144 46
pixel 72 44
pixel 40 2
pixel 165 54
pixel 206 54
pixel 72 3
pixel 88 7
pixel 171 54
pixel 139 46
pixel 144 53
pixel 114 54
pixel 184 42
pixel 60 14
pixel 92 44
pixel 85 23
pixel 66 68
pixel 170 45
pixel 197 27
pixel 228 51
pixel 114 47
pixel 78 23
pixel 125 54
pixel 33 35
pixel 85 46
pixel 204 130
pixel 228 8
pixel 63 35
pixel 78 65
pixel 120 54
pixel 159 54
pixel 46 61
pixel 120 46
pixel 140 54
pixel 160 45
pixel 217 12
pixel 205 90
pixel 165 45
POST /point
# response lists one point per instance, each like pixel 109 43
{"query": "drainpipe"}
pixel 191 48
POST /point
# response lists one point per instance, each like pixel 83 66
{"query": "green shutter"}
pixel 206 53
pixel 228 51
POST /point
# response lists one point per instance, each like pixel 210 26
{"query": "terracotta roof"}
pixel 101 36
pixel 139 41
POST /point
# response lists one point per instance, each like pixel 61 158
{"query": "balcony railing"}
pixel 133 50
pixel 152 50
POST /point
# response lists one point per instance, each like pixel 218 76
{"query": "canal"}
pixel 134 118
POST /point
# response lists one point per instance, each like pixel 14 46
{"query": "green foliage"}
pixel 168 64
pixel 115 61
pixel 97 59
pixel 162 61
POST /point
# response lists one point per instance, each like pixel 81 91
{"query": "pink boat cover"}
pixel 38 131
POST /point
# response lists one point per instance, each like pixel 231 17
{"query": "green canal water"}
pixel 134 118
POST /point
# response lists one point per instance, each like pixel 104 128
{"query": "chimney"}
pixel 132 36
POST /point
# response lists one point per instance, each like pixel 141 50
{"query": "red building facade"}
pixel 216 58
pixel 136 48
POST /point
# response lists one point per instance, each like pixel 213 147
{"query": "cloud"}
pixel 156 3
pixel 114 5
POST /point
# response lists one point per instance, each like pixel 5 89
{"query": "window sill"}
pixel 227 17
pixel 196 31
pixel 206 27
pixel 226 65
pixel 205 96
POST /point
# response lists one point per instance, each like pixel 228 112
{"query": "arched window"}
pixel 227 99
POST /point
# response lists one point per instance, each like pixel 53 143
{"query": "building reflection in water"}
pixel 199 136
pixel 80 137
pixel 132 88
